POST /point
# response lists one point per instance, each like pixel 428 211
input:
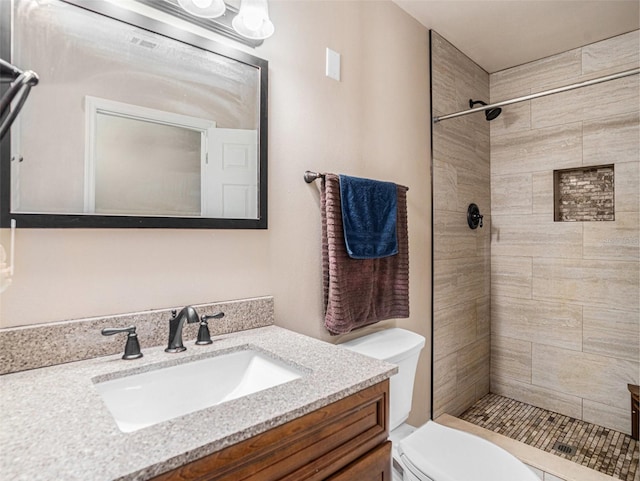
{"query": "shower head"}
pixel 489 114
pixel 492 113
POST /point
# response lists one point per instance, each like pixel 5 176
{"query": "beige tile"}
pixel 537 150
pixel 511 276
pixel 452 237
pixel 556 324
pixel 444 99
pixel 473 363
pixel 455 188
pixel 474 185
pixel 454 328
pixel 616 240
pixel 543 201
pixel 627 180
pixel 483 387
pixel 607 99
pixel 503 89
pixel 465 398
pixel 514 118
pixel 612 140
pixel 607 416
pixel 535 236
pixel 538 396
pixel 612 333
pixel 610 284
pixel 542 74
pixel 608 71
pixel 445 186
pixel 511 194
pixel 459 143
pixel 594 377
pixel 457 404
pixel 484 241
pixel 613 52
pixel 483 317
pixel 444 383
pixel 459 280
pixel 511 359
pixel 455 77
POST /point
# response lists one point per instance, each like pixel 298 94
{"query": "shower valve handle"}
pixel 474 217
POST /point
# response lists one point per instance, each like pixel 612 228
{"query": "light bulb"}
pixel 204 8
pixel 253 21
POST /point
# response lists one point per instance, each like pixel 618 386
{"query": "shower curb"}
pixel 534 457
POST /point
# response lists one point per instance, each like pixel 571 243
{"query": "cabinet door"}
pixel 373 466
pixel 311 448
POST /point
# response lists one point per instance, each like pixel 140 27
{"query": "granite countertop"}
pixel 54 425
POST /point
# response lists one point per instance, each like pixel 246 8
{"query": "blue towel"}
pixel 369 211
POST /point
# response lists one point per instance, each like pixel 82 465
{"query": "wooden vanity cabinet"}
pixel 344 441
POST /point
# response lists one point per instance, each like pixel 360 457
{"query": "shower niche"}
pixel 584 194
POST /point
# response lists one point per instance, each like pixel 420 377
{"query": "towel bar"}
pixel 311 176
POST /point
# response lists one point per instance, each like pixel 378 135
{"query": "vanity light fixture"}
pixel 204 8
pixel 250 24
pixel 252 21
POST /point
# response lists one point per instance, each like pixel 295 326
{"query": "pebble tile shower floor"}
pixel 596 447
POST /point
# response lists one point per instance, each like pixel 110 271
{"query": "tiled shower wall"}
pixel 565 314
pixel 461 255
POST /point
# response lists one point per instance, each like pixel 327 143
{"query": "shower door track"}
pixel 557 90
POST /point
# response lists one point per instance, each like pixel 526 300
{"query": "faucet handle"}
pixel 132 347
pixel 217 315
pixel 204 336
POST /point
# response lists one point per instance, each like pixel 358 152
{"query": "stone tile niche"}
pixel 584 194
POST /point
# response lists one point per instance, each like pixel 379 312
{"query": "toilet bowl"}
pixel 432 452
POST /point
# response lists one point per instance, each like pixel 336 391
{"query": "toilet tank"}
pixel 400 347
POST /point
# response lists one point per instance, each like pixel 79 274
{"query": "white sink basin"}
pixel 140 400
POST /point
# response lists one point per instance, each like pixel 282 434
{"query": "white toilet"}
pixel 432 452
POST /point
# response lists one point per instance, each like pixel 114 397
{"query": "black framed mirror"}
pixel 134 123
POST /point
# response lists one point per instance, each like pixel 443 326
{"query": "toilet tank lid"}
pixel 391 345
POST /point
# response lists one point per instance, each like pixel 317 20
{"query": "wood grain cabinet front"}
pixel 345 440
pixel 373 466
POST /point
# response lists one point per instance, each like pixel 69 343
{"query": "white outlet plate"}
pixel 333 65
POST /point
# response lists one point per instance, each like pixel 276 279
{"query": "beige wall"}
pixel 461 255
pixel 565 325
pixel 374 123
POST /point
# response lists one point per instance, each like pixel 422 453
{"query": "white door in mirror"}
pixel 230 178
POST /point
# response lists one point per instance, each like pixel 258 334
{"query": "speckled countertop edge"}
pixel 55 425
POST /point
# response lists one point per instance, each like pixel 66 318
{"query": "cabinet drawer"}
pixel 373 466
pixel 312 447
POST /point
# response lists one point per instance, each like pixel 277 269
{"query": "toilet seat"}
pixel 438 453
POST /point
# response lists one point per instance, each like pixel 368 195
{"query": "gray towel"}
pixel 359 292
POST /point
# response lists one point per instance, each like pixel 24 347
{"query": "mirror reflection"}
pixel 126 122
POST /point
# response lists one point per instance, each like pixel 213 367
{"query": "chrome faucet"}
pixel 175 327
